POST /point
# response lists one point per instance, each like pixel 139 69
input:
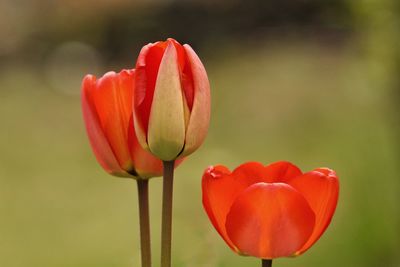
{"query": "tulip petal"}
pixel 221 187
pixel 181 54
pixel 186 73
pixel 219 190
pixel 250 173
pixel 269 221
pixel 113 101
pixel 166 132
pixel 147 67
pixel 100 146
pixel 200 111
pixel 281 171
pixel 321 189
pixel 146 165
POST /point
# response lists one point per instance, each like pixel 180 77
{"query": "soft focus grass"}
pixel 297 101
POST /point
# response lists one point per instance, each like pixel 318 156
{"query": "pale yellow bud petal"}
pixel 166 132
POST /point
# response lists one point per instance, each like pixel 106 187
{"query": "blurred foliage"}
pixel 378 23
pixel 312 82
pixel 117 28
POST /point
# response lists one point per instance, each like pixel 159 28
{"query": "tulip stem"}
pixel 166 227
pixel 145 245
pixel 266 263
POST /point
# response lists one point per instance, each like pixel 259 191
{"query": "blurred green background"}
pixel 313 82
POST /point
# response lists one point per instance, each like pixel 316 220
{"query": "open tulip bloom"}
pixel 269 212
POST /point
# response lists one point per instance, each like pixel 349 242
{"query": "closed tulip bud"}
pixel 107 112
pixel 172 100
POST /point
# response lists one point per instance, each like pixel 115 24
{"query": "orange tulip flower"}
pixel 107 112
pixel 270 212
pixel 172 100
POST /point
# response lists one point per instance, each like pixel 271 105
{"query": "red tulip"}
pixel 107 112
pixel 172 100
pixel 270 212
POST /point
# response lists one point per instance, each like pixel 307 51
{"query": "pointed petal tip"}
pixel 108 74
pixel 282 171
pixel 216 171
pixel 88 81
pixel 248 165
pixel 174 41
pixel 127 71
pixel 89 77
pixel 326 171
pixel 284 165
pixel 170 50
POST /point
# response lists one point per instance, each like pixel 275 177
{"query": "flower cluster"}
pixel 136 119
pixel 143 122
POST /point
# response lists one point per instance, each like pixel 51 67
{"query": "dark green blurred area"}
pixel 313 82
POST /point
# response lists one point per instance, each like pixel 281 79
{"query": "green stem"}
pixel 266 263
pixel 144 218
pixel 166 227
